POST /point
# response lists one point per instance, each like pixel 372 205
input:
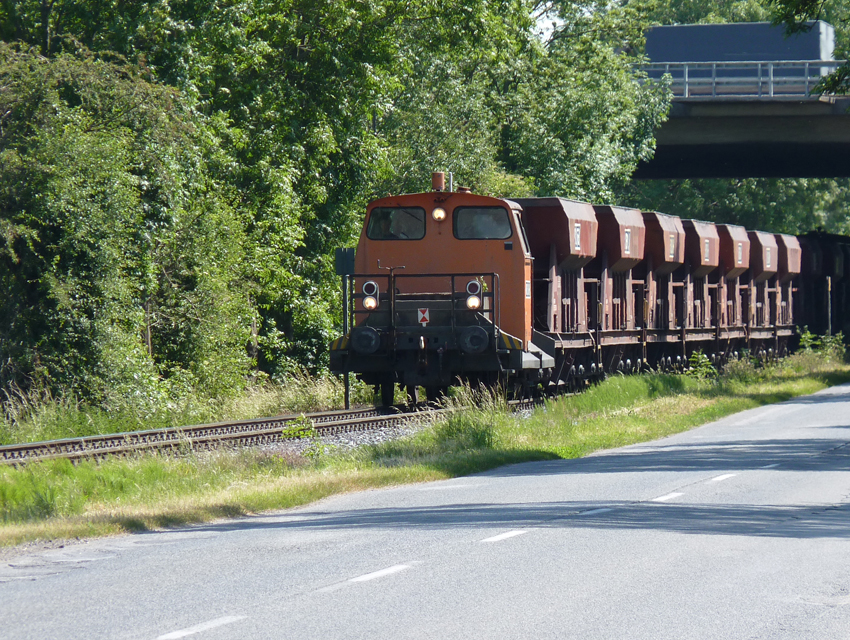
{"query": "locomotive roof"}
pixel 443 196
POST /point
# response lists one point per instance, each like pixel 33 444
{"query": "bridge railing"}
pixel 758 79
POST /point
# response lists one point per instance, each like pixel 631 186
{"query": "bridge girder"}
pixel 754 138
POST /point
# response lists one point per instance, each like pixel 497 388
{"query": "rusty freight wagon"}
pixel 562 236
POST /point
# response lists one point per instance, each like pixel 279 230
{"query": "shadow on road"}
pixel 793 455
pixel 737 520
pixel 786 521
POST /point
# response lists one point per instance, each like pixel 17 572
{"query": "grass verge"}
pixel 56 499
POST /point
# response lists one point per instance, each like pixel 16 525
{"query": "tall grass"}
pixel 605 415
pixel 453 440
pixel 35 414
pixel 59 488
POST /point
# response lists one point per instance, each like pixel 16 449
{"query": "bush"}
pixel 743 371
pixel 830 346
pixel 700 367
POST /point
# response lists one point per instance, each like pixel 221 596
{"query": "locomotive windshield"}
pixel 482 223
pixel 396 223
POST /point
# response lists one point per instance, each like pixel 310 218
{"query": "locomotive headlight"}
pixel 473 302
pixel 370 303
pixel 473 288
pixel 370 288
pixel 439 214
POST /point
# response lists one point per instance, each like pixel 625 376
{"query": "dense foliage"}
pixel 174 175
pixel 122 254
pixel 784 205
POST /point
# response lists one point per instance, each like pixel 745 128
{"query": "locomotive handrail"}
pixel 389 293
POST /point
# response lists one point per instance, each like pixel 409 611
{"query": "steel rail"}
pixel 255 432
pixel 175 437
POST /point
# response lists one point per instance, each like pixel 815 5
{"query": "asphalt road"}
pixel 739 529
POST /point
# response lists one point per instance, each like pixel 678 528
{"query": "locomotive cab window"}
pixel 396 223
pixel 481 223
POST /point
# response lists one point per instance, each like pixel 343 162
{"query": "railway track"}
pixel 260 431
pixel 207 436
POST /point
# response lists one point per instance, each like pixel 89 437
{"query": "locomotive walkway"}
pixel 750 119
pixel 738 529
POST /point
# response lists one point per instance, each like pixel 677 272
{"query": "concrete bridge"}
pixel 750 119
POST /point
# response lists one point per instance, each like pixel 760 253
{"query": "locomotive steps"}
pixel 56 499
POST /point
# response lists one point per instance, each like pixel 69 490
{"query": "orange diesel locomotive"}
pixel 442 291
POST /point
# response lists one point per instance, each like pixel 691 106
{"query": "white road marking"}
pixel 449 486
pixel 725 476
pixel 380 574
pixel 506 535
pixel 770 466
pixel 761 415
pixel 667 497
pixel 593 512
pixel 204 626
pixel 367 576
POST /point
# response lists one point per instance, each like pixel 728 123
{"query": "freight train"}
pixel 540 294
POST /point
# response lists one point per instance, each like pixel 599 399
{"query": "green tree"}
pixel 121 258
pixel 584 116
pixel 770 204
pixel 711 11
